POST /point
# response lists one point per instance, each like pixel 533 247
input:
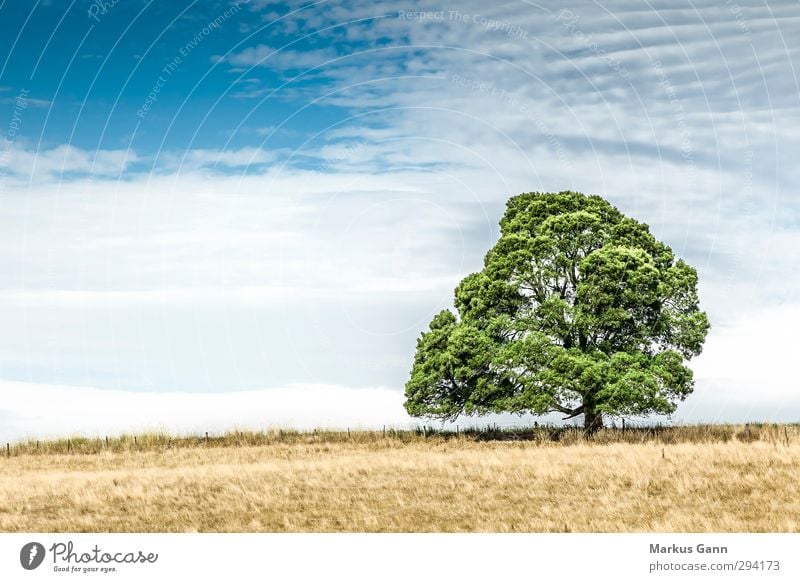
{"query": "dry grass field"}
pixel 692 479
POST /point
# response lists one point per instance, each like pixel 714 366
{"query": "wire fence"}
pixel 544 434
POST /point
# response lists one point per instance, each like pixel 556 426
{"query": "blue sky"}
pixel 97 67
pixel 203 198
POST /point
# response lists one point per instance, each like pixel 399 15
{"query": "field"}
pixel 689 479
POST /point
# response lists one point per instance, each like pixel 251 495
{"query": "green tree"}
pixel 578 310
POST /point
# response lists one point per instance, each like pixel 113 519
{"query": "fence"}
pixel 775 434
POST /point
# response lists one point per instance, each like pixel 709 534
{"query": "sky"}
pixel 243 214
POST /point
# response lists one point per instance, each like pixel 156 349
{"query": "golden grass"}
pixel 332 482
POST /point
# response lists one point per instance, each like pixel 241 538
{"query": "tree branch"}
pixel 573 413
pixel 558 408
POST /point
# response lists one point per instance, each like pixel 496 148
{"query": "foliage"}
pixel 578 309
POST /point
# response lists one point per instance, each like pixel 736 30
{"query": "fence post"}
pixel 384 431
pixel 206 436
pixel 8 449
pixel 69 445
pixel 106 441
pixel 623 425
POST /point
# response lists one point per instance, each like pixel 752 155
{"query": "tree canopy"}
pixel 578 310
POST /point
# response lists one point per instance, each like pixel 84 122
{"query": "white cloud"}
pixel 191 277
pixel 755 350
pixel 65 163
pixel 291 275
pixel 279 59
pixel 747 370
pixel 42 411
pixel 65 159
pixel 26 102
pixel 197 158
pixel 206 281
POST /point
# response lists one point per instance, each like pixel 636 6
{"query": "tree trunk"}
pixel 592 419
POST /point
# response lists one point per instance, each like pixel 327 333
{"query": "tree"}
pixel 578 310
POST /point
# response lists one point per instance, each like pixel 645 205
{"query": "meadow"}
pixel 715 478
